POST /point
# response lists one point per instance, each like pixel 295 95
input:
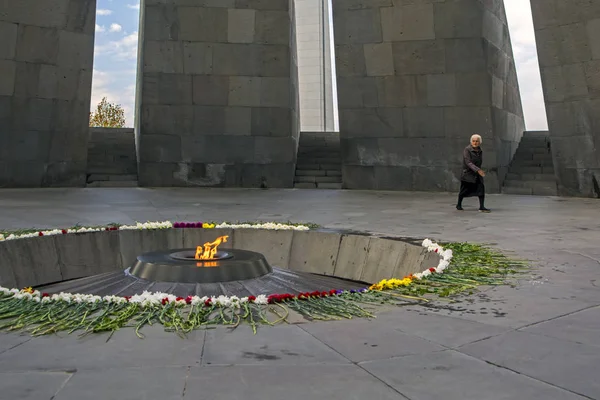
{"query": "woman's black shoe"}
pixel 459 208
pixel 485 210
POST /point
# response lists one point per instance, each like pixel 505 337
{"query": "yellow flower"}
pixel 27 290
pixel 208 225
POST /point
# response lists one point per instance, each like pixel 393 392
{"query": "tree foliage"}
pixel 108 115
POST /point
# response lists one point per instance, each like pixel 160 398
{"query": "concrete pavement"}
pixel 538 340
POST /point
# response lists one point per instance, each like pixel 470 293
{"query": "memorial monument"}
pixel 218 96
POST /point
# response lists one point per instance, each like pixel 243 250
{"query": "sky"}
pixel 115 57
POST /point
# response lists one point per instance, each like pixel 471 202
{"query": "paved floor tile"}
pixel 563 363
pixel 454 376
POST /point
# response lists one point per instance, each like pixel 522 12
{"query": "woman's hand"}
pixel 480 172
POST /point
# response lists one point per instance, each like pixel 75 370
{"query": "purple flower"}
pixel 177 225
pixel 352 291
pixel 198 225
pixel 362 290
pixel 189 225
pixel 339 291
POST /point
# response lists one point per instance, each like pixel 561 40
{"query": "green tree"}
pixel 108 115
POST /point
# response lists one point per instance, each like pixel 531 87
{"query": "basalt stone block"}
pixel 203 24
pixel 382 259
pixel 358 26
pixel 415 259
pixel 393 178
pixel 87 254
pixel 262 4
pixel 8 72
pixel 8 46
pixel 197 58
pixel 352 257
pixel 372 122
pixel 269 150
pixel 272 27
pixel 81 16
pixel 160 148
pixel 37 44
pixel 33 261
pixel 322 256
pixel 133 243
pixel 274 245
pixel 237 59
pixel 163 56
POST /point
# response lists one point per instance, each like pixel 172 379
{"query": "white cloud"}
pixel 524 49
pixel 105 84
pixel 116 28
pixel 134 6
pixel 100 28
pixel 103 12
pixel 125 48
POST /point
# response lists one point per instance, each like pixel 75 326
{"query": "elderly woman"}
pixel 471 179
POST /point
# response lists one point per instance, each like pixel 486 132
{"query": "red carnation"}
pixel 251 298
pixel 432 270
pixel 178 298
pixel 188 300
pixel 207 302
pixel 332 292
pixel 40 234
pixel 127 298
pixel 64 231
pixel 165 301
pixel 107 229
pixel 436 250
pixel 45 295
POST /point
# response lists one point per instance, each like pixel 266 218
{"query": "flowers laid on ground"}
pixel 42 313
pixel 29 233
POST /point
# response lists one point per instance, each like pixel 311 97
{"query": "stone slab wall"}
pixel 46 58
pixel 568 43
pixel 111 151
pixel 215 96
pixel 415 80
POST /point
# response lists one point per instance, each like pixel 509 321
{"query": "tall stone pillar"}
pixel 415 81
pixel 217 94
pixel 46 58
pixel 568 42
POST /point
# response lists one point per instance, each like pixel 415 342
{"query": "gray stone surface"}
pixel 544 329
pixel 18 385
pixel 365 339
pixel 150 383
pixel 460 376
pixel 273 244
pixel 568 44
pixel 217 94
pixel 292 382
pixel 46 59
pixel 283 344
pixel 529 354
pixel 111 152
pixel 323 262
pixel 415 81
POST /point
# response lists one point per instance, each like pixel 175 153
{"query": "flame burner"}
pixel 190 255
pixel 182 265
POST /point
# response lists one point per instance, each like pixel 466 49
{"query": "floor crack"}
pixel 185 382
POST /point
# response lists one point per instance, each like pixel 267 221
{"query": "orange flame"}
pixel 209 250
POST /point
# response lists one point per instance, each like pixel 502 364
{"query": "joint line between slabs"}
pixel 532 378
pixel 357 365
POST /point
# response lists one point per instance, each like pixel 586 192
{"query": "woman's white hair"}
pixel 476 136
